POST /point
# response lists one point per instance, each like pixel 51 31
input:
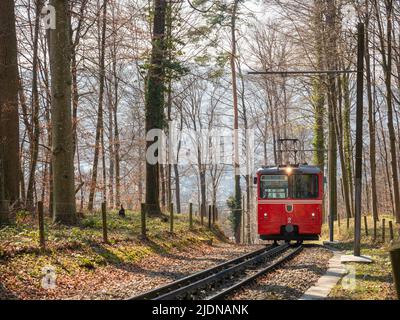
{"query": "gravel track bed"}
pixel 251 270
pixel 291 280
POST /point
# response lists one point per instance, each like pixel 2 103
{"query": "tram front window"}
pixel 304 186
pixel 297 186
pixel 274 187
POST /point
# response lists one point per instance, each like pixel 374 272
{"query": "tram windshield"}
pixel 274 187
pixel 297 186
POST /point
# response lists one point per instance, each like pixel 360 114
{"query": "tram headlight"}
pixel 265 215
pixel 313 215
pixel 289 170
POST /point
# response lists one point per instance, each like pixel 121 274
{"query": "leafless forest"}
pixel 77 98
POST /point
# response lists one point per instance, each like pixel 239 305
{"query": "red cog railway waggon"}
pixel 290 202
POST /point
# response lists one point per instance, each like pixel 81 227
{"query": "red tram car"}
pixel 290 202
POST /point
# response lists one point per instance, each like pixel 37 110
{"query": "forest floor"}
pixel 87 268
pixel 372 281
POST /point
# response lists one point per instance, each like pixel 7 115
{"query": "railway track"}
pixel 222 280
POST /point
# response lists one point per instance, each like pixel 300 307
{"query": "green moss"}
pixel 90 263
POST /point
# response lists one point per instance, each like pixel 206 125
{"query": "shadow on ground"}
pixel 6 294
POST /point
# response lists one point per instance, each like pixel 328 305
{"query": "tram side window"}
pixel 274 187
pixel 304 186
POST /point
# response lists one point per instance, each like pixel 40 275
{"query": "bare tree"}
pixel 9 122
pixel 387 59
pixel 155 103
pixel 62 145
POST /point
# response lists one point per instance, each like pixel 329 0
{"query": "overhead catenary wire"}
pixel 301 72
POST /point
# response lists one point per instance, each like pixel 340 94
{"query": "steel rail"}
pixel 220 276
pixel 159 291
pixel 226 292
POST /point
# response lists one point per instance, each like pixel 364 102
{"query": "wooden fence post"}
pixel 391 230
pixel 209 216
pixel 171 217
pixel 216 213
pixel 104 216
pixel 375 229
pixel 202 209
pixel 383 230
pixel 143 220
pixel 190 216
pixel 348 223
pixel 42 241
pixel 366 225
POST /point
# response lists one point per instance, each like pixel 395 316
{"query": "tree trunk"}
pixel 155 103
pixel 75 93
pixel 116 142
pixel 117 159
pixel 249 165
pixel 75 101
pixel 35 107
pixel 163 169
pixel 203 195
pixel 371 121
pixel 9 119
pixel 62 145
pixel 176 172
pixel 319 136
pixel 111 148
pixel 4 214
pixel 331 55
pixel 177 189
pixel 100 122
pixel 348 154
pixel 48 107
pixel 389 100
pixel 339 133
pixel 318 92
pixel 238 193
pixel 383 145
pixel 386 51
pixel 104 167
pixel 75 97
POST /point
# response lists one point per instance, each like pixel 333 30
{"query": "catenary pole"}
pixel 359 140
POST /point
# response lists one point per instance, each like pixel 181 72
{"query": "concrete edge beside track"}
pixel 325 284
